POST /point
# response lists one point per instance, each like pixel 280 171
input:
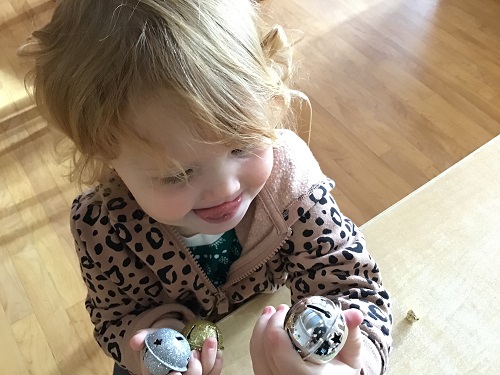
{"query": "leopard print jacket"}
pixel 138 271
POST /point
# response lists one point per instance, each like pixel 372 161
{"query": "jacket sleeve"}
pixel 114 310
pixel 327 255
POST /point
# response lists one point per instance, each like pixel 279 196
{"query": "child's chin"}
pixel 217 228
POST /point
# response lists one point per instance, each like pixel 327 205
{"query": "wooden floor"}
pixel 401 90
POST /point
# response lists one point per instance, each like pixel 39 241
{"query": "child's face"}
pixel 221 185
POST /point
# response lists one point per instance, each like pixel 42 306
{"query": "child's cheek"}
pixel 261 167
pixel 168 208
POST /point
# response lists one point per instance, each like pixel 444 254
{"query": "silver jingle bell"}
pixel 165 350
pixel 317 328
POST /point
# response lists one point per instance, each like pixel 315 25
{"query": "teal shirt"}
pixel 216 258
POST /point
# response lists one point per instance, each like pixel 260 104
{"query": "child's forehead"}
pixel 157 114
pixel 162 126
pixel 167 122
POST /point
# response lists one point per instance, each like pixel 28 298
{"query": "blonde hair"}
pixel 95 55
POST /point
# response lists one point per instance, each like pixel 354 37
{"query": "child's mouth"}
pixel 221 213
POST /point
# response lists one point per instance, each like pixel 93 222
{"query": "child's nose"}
pixel 220 188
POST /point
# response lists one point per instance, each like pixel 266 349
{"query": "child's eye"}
pixel 176 179
pixel 239 152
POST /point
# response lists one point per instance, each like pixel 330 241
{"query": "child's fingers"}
pixel 277 339
pixel 353 318
pixel 287 360
pixel 217 369
pixel 284 358
pixel 208 355
pixel 194 364
pixel 137 341
pixel 257 347
pixel 351 352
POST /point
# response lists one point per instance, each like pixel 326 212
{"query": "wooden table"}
pixel 439 253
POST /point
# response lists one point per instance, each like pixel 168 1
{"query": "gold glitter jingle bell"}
pixel 198 331
pixel 317 328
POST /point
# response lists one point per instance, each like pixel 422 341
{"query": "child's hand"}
pixel 273 354
pixel 208 362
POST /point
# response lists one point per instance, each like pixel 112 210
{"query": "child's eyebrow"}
pixel 160 167
pixel 164 172
pixel 167 171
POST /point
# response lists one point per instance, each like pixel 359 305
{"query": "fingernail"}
pixel 281 307
pixel 266 310
pixel 212 344
pixel 195 354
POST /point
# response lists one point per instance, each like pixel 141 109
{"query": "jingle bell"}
pixel 198 331
pixel 317 328
pixel 165 350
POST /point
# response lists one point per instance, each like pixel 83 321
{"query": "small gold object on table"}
pixel 411 316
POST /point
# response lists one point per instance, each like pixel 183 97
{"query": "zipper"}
pixel 258 265
pixel 221 299
pixel 269 256
pixel 229 283
pixel 200 270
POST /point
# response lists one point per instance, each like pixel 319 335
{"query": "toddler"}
pixel 177 112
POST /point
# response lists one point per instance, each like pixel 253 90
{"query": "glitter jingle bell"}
pixel 165 350
pixel 198 331
pixel 317 328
